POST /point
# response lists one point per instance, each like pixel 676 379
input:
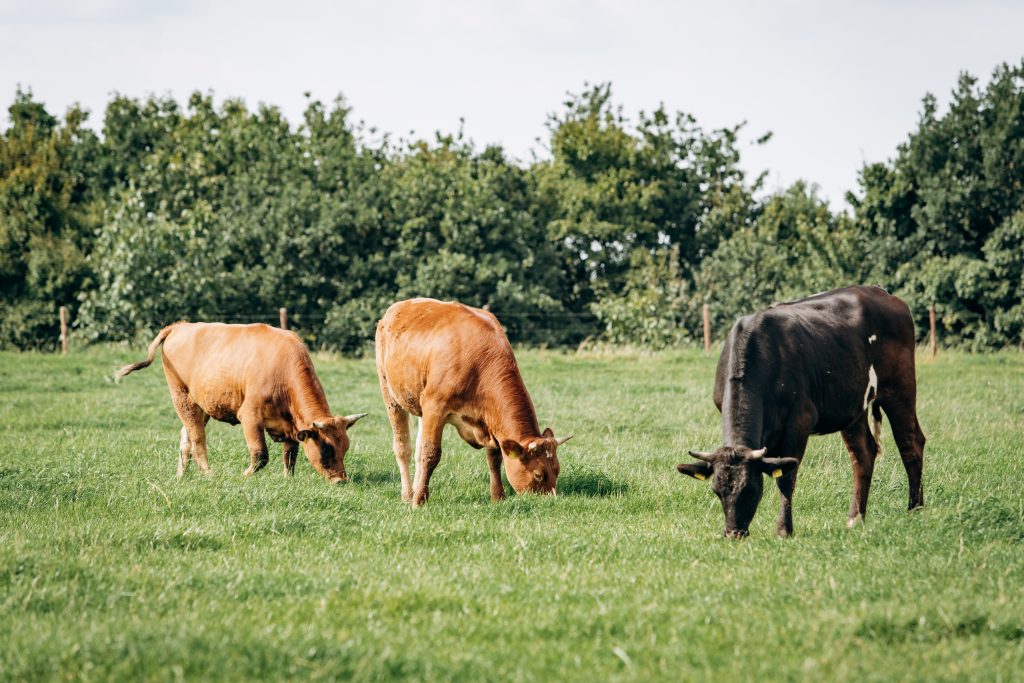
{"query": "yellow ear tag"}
pixel 776 473
pixel 698 475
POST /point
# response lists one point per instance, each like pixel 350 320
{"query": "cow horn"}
pixel 352 419
pixel 563 439
pixel 758 454
pixel 701 455
pixel 320 424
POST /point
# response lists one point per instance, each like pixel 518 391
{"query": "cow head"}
pixel 737 477
pixel 532 464
pixel 325 444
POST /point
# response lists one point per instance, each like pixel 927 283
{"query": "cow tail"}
pixel 876 425
pixel 153 346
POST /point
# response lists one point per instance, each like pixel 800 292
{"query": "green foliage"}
pixel 200 211
pixel 657 307
pixel 49 207
pixel 231 215
pixel 943 217
pixel 609 192
pixel 794 247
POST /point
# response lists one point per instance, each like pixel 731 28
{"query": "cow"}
pixel 448 363
pixel 828 363
pixel 255 375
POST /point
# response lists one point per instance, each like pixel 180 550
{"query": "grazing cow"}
pixel 824 364
pixel 451 364
pixel 256 375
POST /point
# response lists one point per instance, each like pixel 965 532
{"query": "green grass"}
pixel 111 569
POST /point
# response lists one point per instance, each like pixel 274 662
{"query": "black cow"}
pixel 814 366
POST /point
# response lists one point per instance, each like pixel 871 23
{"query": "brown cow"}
pixel 451 364
pixel 256 375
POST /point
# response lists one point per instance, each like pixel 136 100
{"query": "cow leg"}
pixel 863 452
pixel 399 418
pixel 252 427
pixel 793 445
pixel 906 430
pixel 494 463
pixel 428 454
pixel 290 448
pixel 199 444
pixel 193 430
pixel 185 448
pixel 400 444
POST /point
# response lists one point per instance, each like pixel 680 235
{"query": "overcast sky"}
pixel 839 83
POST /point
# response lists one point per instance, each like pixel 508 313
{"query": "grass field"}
pixel 111 569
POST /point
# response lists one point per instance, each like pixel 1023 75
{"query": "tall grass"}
pixel 111 569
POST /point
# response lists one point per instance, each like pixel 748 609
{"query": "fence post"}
pixel 707 330
pixel 931 323
pixel 63 330
pixel 283 315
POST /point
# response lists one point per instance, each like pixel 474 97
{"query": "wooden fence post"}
pixel 283 315
pixel 707 330
pixel 64 330
pixel 931 323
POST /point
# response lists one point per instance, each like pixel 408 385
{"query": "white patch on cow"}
pixel 872 338
pixel 854 521
pixel 872 384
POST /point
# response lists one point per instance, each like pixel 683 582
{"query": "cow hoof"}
pixel 855 521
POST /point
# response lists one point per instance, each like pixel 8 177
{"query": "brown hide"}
pixel 452 364
pixel 255 375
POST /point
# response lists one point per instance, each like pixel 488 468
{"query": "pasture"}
pixel 111 569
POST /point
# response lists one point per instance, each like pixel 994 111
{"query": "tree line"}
pixel 618 233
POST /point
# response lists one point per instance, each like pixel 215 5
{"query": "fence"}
pixel 520 320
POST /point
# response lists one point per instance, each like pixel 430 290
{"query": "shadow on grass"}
pixel 991 518
pixel 373 477
pixel 920 629
pixel 590 484
pixel 189 539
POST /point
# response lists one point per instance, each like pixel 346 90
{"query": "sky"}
pixel 838 83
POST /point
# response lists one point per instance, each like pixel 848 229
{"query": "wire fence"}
pixel 557 329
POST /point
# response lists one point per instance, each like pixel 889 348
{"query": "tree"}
pixel 794 247
pixel 937 217
pixel 50 204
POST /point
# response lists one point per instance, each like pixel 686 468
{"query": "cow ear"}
pixel 698 470
pixel 350 420
pixel 305 434
pixel 512 448
pixel 777 466
pixel 548 433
